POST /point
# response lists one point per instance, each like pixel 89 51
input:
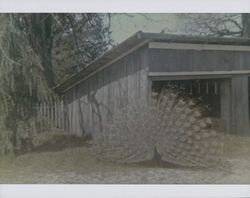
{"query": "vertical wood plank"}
pixel 132 84
pixel 226 113
pixel 145 91
pixel 75 111
pixel 94 104
pixel 100 99
pixel 54 113
pixel 110 94
pixel 240 109
pixel 123 88
pixel 88 106
pixel 105 95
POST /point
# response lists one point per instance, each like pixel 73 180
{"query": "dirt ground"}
pixel 74 163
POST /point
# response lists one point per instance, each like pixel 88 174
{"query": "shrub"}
pixel 26 131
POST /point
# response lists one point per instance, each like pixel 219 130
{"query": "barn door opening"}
pixel 207 90
pixel 227 99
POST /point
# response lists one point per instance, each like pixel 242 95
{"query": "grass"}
pixel 53 153
pixel 57 153
pixel 236 146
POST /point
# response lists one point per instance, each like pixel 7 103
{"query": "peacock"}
pixel 172 124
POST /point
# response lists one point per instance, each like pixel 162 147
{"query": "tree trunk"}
pixel 246 25
pixel 42 42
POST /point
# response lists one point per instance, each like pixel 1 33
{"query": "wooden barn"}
pixel 216 69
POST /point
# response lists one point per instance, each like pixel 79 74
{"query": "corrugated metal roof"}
pixel 142 38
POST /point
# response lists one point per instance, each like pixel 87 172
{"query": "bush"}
pixel 26 131
pixel 5 142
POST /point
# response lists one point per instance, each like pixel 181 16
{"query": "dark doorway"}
pixel 208 90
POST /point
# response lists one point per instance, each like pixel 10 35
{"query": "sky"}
pixel 125 25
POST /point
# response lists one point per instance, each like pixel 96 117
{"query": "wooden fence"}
pixel 59 114
pixel 53 112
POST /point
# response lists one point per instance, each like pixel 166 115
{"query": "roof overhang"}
pixel 161 76
pixel 157 40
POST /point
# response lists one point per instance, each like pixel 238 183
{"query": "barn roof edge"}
pixel 137 39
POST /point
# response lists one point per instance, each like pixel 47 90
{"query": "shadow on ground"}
pixel 57 142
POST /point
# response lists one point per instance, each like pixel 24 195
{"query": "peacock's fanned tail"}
pixel 172 123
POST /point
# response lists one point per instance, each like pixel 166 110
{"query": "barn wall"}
pixel 93 101
pixel 234 96
pixel 172 60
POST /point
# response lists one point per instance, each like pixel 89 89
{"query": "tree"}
pixel 21 81
pixel 82 38
pixel 37 29
pixel 28 67
pixel 236 25
pixel 65 42
pixel 245 25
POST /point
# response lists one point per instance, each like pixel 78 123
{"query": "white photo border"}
pixel 128 6
pixel 125 191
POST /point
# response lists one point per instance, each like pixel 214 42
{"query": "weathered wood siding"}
pixel 171 60
pixel 234 95
pixel 93 101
